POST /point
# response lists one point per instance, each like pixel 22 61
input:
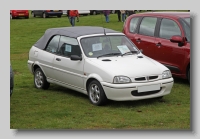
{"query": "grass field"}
pixel 61 108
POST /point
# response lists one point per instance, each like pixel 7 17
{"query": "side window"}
pixel 53 44
pixel 147 26
pixel 69 46
pixel 168 28
pixel 133 24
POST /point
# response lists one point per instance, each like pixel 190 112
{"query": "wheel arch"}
pixel 35 66
pixel 91 78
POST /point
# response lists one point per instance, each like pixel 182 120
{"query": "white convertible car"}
pixel 99 62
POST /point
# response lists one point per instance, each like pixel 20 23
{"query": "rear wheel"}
pixel 40 79
pixel 33 15
pixel 44 15
pixel 96 93
pixel 94 12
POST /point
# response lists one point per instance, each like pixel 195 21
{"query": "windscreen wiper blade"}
pixel 110 54
pixel 130 52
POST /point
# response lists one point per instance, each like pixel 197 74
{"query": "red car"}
pixel 163 36
pixel 19 13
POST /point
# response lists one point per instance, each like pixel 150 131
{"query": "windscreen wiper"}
pixel 130 52
pixel 110 54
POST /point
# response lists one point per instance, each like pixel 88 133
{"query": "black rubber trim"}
pixel 135 92
pixel 168 82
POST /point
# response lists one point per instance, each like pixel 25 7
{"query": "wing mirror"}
pixel 75 57
pixel 177 39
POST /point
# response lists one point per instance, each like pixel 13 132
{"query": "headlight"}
pixel 166 74
pixel 121 79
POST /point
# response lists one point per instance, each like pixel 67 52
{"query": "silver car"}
pixel 99 62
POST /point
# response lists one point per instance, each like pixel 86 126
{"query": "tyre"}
pixel 44 15
pixel 96 93
pixel 27 17
pixel 40 79
pixel 94 12
pixel 33 15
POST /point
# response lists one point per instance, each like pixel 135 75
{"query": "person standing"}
pixel 123 12
pixel 72 16
pixel 106 14
pixel 118 15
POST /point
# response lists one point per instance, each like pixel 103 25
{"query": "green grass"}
pixel 62 108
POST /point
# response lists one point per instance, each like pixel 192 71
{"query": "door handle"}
pixel 158 44
pixel 138 40
pixel 58 59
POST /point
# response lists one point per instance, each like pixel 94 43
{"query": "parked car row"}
pixel 163 36
pixel 48 13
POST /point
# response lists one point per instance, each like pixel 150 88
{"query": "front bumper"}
pixel 125 92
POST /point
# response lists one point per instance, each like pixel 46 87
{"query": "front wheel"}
pixel 96 93
pixel 33 15
pixel 40 79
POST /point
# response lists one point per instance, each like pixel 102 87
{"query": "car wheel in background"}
pixel 96 93
pixel 44 15
pixel 11 17
pixel 33 15
pixel 40 79
pixel 94 12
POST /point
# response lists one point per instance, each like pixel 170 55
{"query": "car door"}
pixel 67 71
pixel 46 57
pixel 168 53
pixel 145 38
